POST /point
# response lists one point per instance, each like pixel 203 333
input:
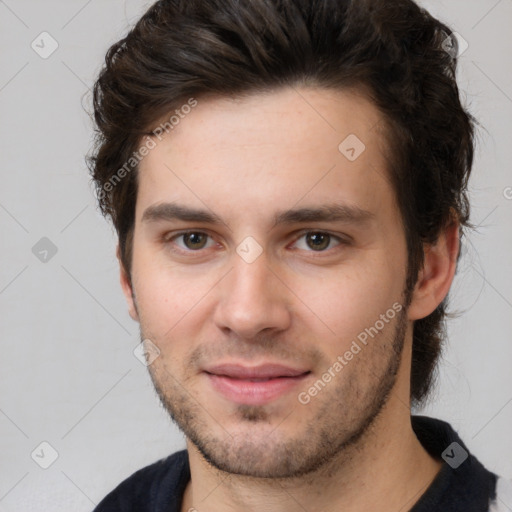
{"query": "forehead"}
pixel 270 150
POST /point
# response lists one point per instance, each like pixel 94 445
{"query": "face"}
pixel 269 265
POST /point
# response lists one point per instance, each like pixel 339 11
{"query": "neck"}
pixel 387 469
pixel 388 461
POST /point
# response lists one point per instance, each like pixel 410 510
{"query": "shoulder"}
pixel 463 483
pixel 503 500
pixel 149 488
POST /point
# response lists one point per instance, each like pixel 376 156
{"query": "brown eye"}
pixel 188 242
pixel 195 240
pixel 318 241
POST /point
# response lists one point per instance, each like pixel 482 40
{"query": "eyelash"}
pixel 169 240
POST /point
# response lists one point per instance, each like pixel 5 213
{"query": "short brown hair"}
pixel 395 50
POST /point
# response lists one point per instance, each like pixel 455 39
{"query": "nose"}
pixel 253 297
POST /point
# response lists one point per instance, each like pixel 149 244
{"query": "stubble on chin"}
pixel 345 412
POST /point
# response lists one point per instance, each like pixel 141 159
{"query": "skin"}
pixel 351 447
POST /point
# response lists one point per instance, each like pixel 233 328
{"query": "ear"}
pixel 126 285
pixel 436 276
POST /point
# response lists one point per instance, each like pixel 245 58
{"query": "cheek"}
pixel 171 300
pixel 164 303
pixel 352 299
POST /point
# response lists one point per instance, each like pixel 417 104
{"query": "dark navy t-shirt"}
pixel 462 484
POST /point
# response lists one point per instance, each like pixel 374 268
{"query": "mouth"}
pixel 255 385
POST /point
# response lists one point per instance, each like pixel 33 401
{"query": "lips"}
pixel 265 371
pixel 254 385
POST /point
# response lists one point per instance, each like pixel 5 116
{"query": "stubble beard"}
pixel 349 408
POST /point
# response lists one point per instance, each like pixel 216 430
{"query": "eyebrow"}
pixel 326 213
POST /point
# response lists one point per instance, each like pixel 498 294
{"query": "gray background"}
pixel 68 373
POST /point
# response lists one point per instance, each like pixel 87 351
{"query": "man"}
pixel 288 183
